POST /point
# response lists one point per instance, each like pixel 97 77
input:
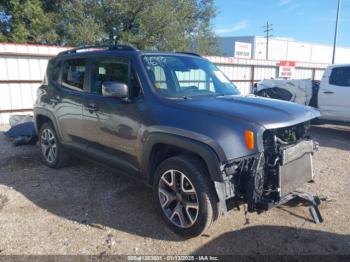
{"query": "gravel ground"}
pixel 89 209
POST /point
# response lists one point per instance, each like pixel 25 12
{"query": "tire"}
pixel 197 195
pixel 52 151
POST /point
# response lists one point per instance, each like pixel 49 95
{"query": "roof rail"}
pixel 189 53
pixel 106 47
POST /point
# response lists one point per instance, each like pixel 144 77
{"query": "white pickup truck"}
pixel 331 95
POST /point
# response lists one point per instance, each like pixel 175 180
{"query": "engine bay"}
pixel 265 179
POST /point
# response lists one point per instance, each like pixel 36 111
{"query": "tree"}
pixel 181 25
pixel 161 24
pixel 79 23
pixel 25 21
pixel 3 25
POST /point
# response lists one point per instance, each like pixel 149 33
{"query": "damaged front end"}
pixel 270 178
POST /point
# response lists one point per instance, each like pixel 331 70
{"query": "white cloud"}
pixel 235 27
pixel 288 5
pixel 292 8
pixel 284 2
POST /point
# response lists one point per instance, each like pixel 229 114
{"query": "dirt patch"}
pixel 3 201
pixel 20 162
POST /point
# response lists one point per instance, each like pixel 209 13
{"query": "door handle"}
pixel 91 108
pixel 55 100
pixel 328 92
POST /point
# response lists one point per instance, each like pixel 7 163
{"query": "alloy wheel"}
pixel 178 198
pixel 48 145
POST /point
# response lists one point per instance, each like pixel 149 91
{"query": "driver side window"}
pixel 113 69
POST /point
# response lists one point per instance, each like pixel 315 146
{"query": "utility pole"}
pixel 336 32
pixel 268 29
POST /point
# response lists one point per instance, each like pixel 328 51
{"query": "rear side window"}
pixel 56 71
pixel 340 76
pixel 113 69
pixel 52 72
pixel 73 73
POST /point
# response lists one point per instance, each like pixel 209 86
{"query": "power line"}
pixel 268 29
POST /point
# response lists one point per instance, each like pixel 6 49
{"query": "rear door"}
pixel 334 94
pixel 111 125
pixel 67 100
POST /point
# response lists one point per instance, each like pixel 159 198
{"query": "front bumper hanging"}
pixel 312 201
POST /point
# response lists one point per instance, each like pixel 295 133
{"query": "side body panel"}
pixel 110 126
pixel 68 113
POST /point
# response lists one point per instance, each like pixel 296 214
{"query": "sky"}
pixel 302 20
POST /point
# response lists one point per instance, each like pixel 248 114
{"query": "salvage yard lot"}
pixel 89 209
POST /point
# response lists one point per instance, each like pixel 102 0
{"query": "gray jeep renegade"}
pixel 174 121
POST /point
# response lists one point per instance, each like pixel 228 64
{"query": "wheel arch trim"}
pixel 45 113
pixel 198 148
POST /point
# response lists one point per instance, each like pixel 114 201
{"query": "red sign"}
pixel 287 63
pixel 286 69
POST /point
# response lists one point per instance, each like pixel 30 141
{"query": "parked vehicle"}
pixel 174 121
pixel 331 95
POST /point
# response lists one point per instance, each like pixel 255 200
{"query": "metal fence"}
pixel 246 72
pixel 22 67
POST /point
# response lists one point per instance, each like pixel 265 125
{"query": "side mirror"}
pixel 115 89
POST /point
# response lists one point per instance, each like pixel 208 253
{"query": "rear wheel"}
pixel 185 195
pixel 52 152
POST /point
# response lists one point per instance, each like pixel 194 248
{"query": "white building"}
pixel 281 49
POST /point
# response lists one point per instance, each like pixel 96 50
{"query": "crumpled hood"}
pixel 268 113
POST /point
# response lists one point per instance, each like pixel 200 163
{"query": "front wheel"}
pixel 185 195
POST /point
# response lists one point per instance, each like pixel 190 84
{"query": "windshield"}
pixel 184 76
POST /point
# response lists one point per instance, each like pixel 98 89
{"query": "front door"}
pixel 112 125
pixel 334 94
